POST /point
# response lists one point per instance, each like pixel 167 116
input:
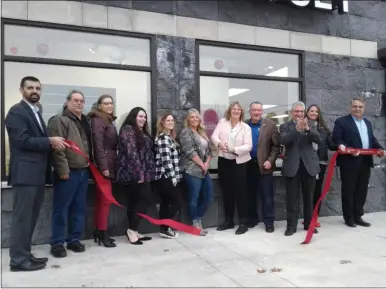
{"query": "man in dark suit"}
pixel 300 165
pixel 29 172
pixel 265 150
pixel 355 131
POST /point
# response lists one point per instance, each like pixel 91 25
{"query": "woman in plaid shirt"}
pixel 168 173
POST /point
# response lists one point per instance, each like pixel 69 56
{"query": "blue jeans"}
pixel 198 187
pixel 69 207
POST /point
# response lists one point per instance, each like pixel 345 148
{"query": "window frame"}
pixel 74 63
pixel 199 73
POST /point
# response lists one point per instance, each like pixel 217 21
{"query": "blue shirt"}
pixel 255 127
pixel 362 128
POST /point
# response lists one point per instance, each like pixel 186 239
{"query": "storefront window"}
pixel 228 75
pixel 79 46
pixel 39 52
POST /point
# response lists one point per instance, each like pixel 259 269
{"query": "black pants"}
pixel 319 185
pixel 27 202
pixel 302 182
pixel 170 199
pixel 138 199
pixel 260 185
pixel 354 187
pixel 233 180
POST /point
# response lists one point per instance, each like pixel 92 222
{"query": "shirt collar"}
pixel 258 123
pixel 32 106
pixel 356 119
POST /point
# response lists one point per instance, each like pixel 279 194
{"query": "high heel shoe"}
pixel 137 242
pixel 102 237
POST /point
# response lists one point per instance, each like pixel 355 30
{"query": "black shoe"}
pixel 350 224
pixel 362 223
pixel 241 230
pixel 33 259
pixel 225 226
pixel 28 266
pixel 270 229
pixel 138 242
pixel 96 231
pixel 290 231
pixel 76 247
pixel 58 251
pixel 102 237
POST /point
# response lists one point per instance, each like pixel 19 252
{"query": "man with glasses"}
pixel 300 165
pixel 355 131
pixel 70 176
pixel 265 150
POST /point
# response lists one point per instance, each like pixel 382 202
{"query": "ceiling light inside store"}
pixel 266 106
pixel 236 91
pixel 279 116
pixel 282 72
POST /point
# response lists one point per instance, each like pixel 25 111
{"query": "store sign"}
pixel 341 5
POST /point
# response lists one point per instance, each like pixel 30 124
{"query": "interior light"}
pixel 266 106
pixel 279 116
pixel 236 91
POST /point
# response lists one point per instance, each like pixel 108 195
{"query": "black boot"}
pixel 96 232
pixel 102 237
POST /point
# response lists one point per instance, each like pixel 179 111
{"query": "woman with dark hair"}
pixel 135 168
pixel 167 159
pixel 314 113
pixel 104 140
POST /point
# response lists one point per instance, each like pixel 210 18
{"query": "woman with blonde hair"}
pixel 233 137
pixel 195 160
pixel 168 172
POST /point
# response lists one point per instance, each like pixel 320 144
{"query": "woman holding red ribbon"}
pixel 326 143
pixel 104 139
pixel 135 169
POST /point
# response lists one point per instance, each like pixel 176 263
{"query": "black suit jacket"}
pixel 346 133
pixel 29 147
pixel 298 147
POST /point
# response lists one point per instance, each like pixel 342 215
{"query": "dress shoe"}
pixel 33 259
pixel 350 224
pixel 270 229
pixel 28 266
pixel 225 226
pixel 241 230
pixel 76 247
pixel 58 251
pixel 362 223
pixel 290 231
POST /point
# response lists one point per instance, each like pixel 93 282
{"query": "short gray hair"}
pixel 298 103
pixel 357 98
pixel 255 102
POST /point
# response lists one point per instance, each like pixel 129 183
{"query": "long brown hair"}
pixel 319 119
pixel 229 111
pixel 161 128
pixel 97 111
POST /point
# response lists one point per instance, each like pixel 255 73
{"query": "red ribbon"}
pixel 104 186
pixel 327 184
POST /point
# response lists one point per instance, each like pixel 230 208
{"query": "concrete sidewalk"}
pixel 338 256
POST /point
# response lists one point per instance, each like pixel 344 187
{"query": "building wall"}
pixel 340 62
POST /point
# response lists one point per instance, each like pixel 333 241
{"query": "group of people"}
pixel 170 163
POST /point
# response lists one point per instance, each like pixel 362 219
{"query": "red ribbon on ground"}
pixel 327 184
pixel 106 189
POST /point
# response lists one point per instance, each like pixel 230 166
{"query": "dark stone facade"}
pixel 331 81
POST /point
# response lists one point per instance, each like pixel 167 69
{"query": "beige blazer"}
pixel 243 139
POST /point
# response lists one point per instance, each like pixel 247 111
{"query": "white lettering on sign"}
pixel 319 4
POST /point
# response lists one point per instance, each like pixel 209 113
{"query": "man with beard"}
pixel 265 150
pixel 70 176
pixel 29 172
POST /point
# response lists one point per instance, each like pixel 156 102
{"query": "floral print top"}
pixel 134 162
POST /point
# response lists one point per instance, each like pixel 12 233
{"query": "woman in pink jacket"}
pixel 233 138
